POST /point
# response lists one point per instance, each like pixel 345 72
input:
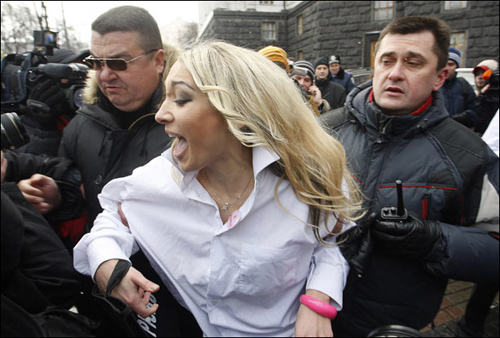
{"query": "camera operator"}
pixel 44 87
pixel 487 102
pixel 50 104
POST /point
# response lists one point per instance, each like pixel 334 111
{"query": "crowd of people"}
pixel 222 191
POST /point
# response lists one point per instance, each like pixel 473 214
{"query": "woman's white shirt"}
pixel 241 278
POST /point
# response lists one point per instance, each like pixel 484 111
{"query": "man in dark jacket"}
pixel 459 96
pixel 37 270
pixel 397 128
pixel 115 131
pixel 487 103
pixel 332 92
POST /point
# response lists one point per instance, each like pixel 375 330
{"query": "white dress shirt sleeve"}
pixel 328 261
pixel 109 237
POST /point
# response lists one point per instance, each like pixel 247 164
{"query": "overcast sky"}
pixel 80 14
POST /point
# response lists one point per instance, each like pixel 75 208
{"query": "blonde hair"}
pixel 251 91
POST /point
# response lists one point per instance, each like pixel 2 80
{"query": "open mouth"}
pixel 180 147
pixel 395 90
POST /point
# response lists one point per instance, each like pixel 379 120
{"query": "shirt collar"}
pixel 262 158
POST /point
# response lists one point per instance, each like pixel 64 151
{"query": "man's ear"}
pixel 442 75
pixel 160 60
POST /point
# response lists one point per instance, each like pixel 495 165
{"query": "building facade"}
pixel 310 29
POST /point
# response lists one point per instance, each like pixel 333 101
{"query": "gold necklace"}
pixel 225 205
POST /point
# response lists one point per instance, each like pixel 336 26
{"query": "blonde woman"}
pixel 240 215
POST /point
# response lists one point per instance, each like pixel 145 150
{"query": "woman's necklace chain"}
pixel 225 205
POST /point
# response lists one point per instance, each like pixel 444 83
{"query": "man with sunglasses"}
pixel 115 131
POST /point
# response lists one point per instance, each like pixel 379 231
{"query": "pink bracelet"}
pixel 322 308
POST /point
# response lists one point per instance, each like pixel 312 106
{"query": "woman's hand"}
pixel 134 289
pixel 311 324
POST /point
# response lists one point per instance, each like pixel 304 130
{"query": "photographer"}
pixel 487 102
pixel 23 169
pixel 46 95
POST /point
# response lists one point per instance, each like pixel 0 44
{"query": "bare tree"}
pixel 67 39
pixel 18 23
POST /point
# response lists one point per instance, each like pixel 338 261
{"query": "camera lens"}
pixel 13 133
pixel 78 97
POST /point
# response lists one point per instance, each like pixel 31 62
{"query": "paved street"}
pixel 453 308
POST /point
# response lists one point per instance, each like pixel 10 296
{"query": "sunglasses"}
pixel 112 63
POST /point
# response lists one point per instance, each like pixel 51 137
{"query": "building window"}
pixel 450 5
pixel 383 10
pixel 269 31
pixel 300 55
pixel 371 39
pixel 458 41
pixel 300 25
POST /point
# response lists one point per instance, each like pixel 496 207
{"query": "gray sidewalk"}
pixel 453 308
pixel 450 329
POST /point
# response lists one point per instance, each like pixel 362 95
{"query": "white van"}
pixel 467 74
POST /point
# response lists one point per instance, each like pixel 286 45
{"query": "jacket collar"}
pixel 105 113
pixel 419 111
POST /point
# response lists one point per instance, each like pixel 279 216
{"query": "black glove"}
pixel 356 244
pixel 412 238
pixel 46 102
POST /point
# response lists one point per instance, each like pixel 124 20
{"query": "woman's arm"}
pixel 326 284
pixel 310 323
pixel 134 289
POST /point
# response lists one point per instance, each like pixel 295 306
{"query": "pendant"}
pixel 225 206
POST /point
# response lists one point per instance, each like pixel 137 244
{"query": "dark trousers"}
pixel 478 308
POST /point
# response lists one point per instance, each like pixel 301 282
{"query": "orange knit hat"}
pixel 276 54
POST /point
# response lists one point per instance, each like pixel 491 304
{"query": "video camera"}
pixel 22 72
pixel 45 41
pixel 491 77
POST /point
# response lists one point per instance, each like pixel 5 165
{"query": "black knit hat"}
pixel 321 61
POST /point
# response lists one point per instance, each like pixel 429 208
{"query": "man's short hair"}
pixel 417 24
pixel 130 19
